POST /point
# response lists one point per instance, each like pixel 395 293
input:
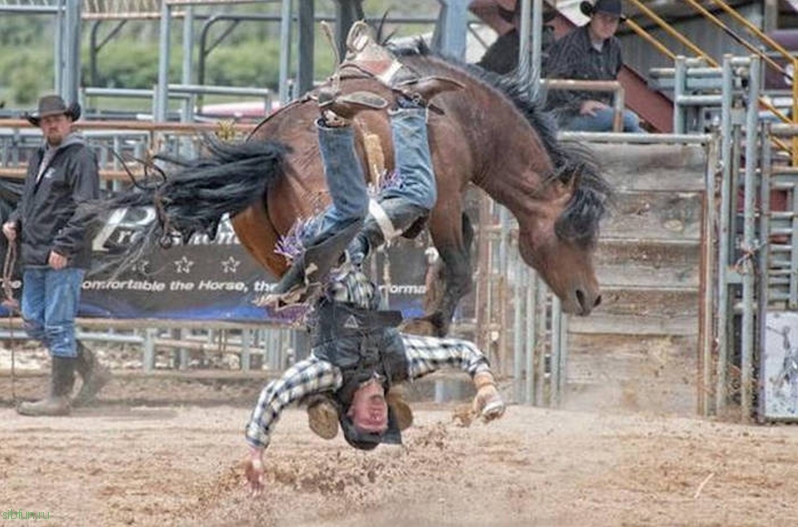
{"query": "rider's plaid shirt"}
pixel 424 355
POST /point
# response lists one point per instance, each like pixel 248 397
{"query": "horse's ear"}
pixel 569 182
pixel 576 178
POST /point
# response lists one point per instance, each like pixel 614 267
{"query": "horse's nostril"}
pixel 598 301
pixel 580 298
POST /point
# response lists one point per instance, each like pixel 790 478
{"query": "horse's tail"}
pixel 194 197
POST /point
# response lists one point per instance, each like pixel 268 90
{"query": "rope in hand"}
pixel 12 306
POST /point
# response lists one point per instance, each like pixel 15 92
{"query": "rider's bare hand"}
pixel 254 470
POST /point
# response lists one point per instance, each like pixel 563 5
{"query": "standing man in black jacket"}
pixel 55 251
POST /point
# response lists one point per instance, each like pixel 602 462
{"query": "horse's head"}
pixel 560 239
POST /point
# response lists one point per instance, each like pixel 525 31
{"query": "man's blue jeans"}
pixel 413 159
pixel 602 122
pixel 345 179
pixel 49 306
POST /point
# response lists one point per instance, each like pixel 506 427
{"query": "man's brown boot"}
pixel 401 410
pixel 61 382
pixel 347 106
pixel 323 417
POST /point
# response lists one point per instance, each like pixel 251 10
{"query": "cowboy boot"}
pixel 395 398
pixel 323 417
pixel 421 91
pixel 61 382
pixel 386 221
pixel 93 374
pixel 347 106
pixel 320 256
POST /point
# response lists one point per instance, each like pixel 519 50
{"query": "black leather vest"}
pixel 360 342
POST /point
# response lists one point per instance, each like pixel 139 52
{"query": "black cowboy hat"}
pixel 53 105
pixel 507 9
pixel 608 7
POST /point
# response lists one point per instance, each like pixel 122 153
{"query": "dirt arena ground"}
pixel 178 465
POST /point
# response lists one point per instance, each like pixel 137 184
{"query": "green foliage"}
pixel 23 30
pixel 126 64
pixel 29 72
pixel 253 64
pixel 248 56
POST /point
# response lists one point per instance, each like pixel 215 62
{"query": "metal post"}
pixel 306 23
pixel 749 239
pixel 162 89
pixel 540 319
pixel 454 14
pixel 525 69
pixel 765 162
pixel 148 361
pixel 531 335
pixel 519 279
pixel 706 331
pixel 246 356
pixel 679 85
pixel 188 49
pixel 71 52
pixel 724 235
pixel 556 352
pixel 285 51
pixel 58 47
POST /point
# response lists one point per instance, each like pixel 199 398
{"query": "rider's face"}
pixel 369 411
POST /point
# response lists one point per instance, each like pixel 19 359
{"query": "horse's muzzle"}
pixel 586 302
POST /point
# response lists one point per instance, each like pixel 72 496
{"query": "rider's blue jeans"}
pixel 413 159
pixel 49 306
pixel 602 122
pixel 343 173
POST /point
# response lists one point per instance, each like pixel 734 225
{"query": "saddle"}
pixel 367 56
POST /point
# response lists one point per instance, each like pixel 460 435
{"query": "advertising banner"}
pixel 208 279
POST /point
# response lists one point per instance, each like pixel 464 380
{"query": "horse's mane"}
pixel 579 222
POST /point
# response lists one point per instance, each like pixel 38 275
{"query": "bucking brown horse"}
pixel 492 134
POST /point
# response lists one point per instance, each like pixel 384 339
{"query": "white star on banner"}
pixel 183 265
pixel 230 265
pixel 141 266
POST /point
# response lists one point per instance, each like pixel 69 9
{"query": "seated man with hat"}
pixel 590 52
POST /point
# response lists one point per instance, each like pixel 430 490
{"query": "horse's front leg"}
pixel 451 277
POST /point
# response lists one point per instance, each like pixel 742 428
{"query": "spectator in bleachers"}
pixel 590 52
pixel 502 56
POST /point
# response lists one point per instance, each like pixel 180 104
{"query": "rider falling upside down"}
pixel 358 355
